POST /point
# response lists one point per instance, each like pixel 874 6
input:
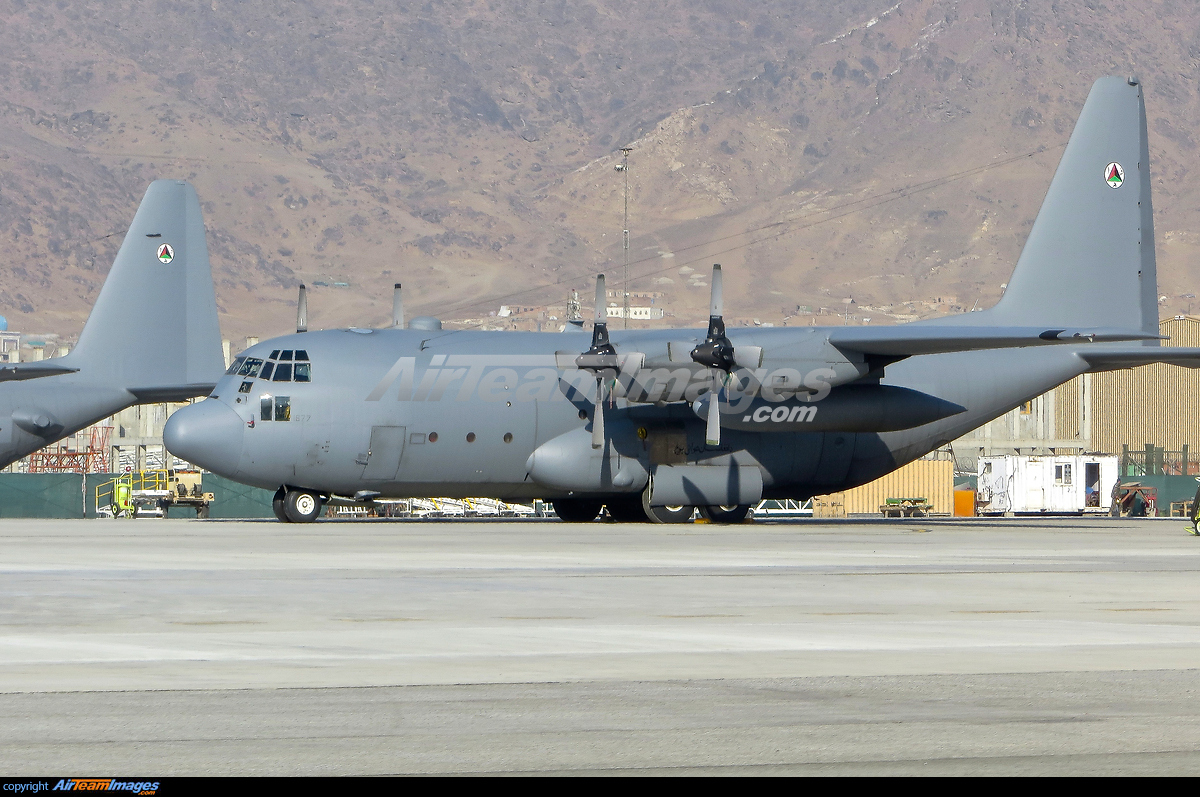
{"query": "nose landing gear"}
pixel 296 506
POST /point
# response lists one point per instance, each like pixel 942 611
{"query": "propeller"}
pixel 717 354
pixel 600 358
pixel 302 310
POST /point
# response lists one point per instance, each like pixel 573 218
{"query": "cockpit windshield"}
pixel 250 367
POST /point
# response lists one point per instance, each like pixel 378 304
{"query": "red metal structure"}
pixel 94 458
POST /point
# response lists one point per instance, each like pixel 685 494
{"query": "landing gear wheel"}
pixel 574 510
pixel 301 506
pixel 725 514
pixel 627 509
pixel 277 505
pixel 666 514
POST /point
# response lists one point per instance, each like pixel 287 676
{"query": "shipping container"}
pixel 1063 484
pixel 928 479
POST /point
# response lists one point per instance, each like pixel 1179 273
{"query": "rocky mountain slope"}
pixel 866 150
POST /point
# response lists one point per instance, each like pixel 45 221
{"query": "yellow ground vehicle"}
pixel 153 492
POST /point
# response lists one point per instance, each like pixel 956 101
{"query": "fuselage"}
pixel 400 413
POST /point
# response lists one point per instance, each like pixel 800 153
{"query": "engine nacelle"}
pixel 851 408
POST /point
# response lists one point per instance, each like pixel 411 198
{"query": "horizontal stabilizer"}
pixel 35 370
pixel 1114 359
pixel 164 393
pixel 912 339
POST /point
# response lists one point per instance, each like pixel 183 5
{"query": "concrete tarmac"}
pixel 824 647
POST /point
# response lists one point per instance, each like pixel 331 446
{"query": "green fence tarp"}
pixel 1170 489
pixel 41 495
pixel 233 500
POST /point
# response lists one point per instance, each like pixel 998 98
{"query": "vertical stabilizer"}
pixel 1089 259
pixel 153 330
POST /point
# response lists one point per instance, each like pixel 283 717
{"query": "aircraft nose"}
pixel 208 434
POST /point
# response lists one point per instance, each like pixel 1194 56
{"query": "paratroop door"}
pixel 383 458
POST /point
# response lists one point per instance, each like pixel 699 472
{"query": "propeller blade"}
pixel 601 301
pixel 598 415
pixel 302 310
pixel 397 308
pixel 712 432
pixel 715 298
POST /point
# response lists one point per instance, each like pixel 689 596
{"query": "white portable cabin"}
pixel 1046 484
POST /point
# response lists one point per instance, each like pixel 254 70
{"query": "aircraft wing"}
pixel 17 371
pixel 912 339
pixel 1109 359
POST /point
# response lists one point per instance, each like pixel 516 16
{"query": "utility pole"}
pixel 623 167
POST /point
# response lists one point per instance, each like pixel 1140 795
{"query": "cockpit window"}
pixel 245 388
pixel 286 355
pixel 266 370
pixel 303 372
pixel 301 354
pixel 250 367
pixel 283 372
pixel 275 355
pixel 237 363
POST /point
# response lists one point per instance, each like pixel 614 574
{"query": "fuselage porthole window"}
pixel 303 372
pixel 274 355
pixel 286 354
pixel 283 372
pixel 266 370
pixel 283 408
pixel 301 354
pixel 264 405
pixel 237 364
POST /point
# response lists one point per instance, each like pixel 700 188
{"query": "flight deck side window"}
pixel 303 372
pixel 283 408
pixel 250 367
pixel 237 364
pixel 266 370
pixel 283 372
pixel 245 388
pixel 264 405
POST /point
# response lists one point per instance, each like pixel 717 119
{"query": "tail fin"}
pixel 1089 259
pixel 153 330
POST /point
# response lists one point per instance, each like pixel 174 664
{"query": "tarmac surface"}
pixel 1015 646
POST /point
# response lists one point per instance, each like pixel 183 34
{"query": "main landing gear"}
pixel 636 509
pixel 296 506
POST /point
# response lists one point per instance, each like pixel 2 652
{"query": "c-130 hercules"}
pixel 152 335
pixel 628 422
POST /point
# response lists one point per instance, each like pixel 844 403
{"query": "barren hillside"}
pixel 467 148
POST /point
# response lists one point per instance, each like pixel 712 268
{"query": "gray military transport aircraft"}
pixel 152 335
pixel 654 423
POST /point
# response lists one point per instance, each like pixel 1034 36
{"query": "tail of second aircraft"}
pixel 1089 259
pixel 153 330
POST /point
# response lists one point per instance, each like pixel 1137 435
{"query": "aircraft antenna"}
pixel 302 310
pixel 397 308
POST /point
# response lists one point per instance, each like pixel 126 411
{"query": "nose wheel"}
pixel 296 506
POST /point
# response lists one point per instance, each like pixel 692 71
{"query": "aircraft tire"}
pixel 277 505
pixel 301 506
pixel 627 509
pixel 575 510
pixel 666 514
pixel 725 514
